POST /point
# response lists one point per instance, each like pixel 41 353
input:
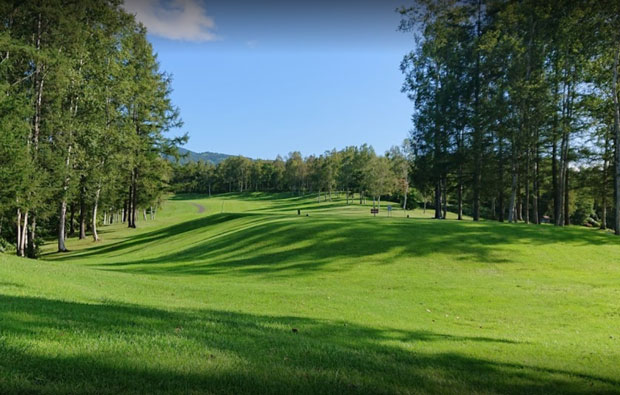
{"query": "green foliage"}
pixel 353 169
pixel 508 98
pixel 583 212
pixel 6 247
pixel 83 105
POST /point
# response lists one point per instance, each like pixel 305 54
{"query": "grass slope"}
pixel 207 303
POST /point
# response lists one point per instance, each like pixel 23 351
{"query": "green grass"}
pixel 207 303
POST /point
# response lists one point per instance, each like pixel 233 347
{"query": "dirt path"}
pixel 200 207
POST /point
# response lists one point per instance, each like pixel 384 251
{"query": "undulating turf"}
pixel 249 297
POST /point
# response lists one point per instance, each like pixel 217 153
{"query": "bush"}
pixel 6 247
pixel 584 210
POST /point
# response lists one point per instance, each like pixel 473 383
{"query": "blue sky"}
pixel 266 78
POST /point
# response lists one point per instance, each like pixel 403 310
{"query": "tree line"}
pixel 516 113
pixel 83 113
pixel 352 170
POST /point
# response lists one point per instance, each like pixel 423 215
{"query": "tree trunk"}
pixel 519 198
pixel 526 120
pixel 565 157
pixel 62 217
pixel 132 200
pixel 438 199
pixel 617 145
pixel 61 226
pixel 459 192
pixel 129 202
pixel 460 201
pixel 31 244
pixel 22 246
pixel 526 216
pixel 536 192
pixel 566 202
pixel 513 195
pixel 554 168
pixel 562 182
pixel 18 234
pixel 82 215
pixel 603 224
pixel 513 188
pixel 445 198
pixel 477 143
pixel 501 181
pixel 134 204
pixel 555 184
pixel 95 205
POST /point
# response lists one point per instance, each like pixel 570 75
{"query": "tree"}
pixel 83 102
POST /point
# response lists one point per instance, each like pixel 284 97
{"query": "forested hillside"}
pixel 191 156
pixel 350 170
pixel 83 112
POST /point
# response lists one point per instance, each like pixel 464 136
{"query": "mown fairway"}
pixel 248 297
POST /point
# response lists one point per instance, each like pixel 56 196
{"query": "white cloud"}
pixel 174 19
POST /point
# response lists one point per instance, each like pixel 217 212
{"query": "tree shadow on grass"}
pixel 53 346
pixel 292 245
pixel 140 240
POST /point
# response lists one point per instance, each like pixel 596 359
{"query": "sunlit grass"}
pixel 250 297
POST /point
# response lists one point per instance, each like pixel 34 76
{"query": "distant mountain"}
pixel 213 157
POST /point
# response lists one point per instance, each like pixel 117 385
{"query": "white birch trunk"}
pixel 61 226
pixel 94 219
pixel 22 247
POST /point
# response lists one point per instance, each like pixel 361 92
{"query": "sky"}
pixel 262 78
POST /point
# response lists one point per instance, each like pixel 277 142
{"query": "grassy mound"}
pixel 249 297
